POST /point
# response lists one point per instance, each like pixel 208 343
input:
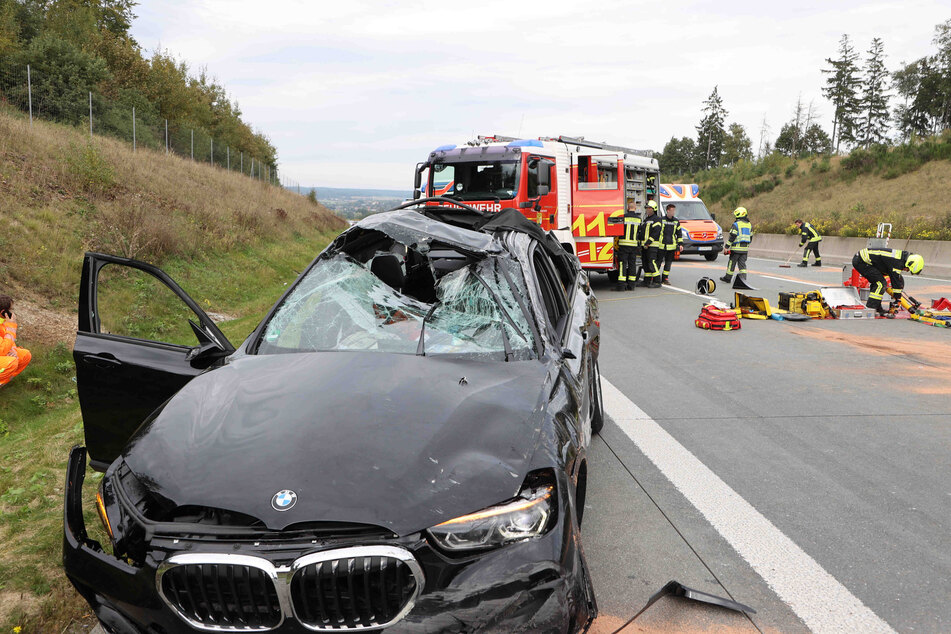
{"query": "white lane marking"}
pixel 823 604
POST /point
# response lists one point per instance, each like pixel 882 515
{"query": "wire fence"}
pixel 129 118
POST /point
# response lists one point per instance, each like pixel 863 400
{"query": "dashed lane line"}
pixel 823 604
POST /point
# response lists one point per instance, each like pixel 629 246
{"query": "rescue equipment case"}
pixel 713 318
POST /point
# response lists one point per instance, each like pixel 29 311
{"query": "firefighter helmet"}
pixel 915 263
pixel 740 212
pixel 652 204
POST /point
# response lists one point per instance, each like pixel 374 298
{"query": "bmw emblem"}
pixel 283 500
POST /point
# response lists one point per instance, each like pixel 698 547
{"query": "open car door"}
pixel 140 339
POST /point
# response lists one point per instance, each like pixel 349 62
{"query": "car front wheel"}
pixel 711 256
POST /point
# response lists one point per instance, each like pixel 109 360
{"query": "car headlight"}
pixel 524 517
pixel 108 509
pixel 103 515
pixel 719 233
pixel 684 233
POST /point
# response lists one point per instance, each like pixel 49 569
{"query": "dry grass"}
pixel 62 194
pixel 918 203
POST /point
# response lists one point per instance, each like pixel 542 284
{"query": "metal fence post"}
pixel 90 114
pixel 193 144
pixel 166 136
pixel 29 92
pixel 228 152
pixel 242 162
pixel 212 159
pixel 251 173
pixel 133 128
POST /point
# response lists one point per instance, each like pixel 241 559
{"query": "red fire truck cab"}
pixel 567 185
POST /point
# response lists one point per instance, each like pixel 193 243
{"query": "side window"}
pixel 597 172
pixel 553 293
pixel 133 303
pixel 443 180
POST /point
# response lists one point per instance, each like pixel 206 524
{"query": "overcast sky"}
pixel 355 93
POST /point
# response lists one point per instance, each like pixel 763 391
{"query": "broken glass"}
pixel 342 305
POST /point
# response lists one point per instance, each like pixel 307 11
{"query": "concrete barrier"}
pixel 837 251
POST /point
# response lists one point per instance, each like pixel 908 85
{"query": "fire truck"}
pixel 570 186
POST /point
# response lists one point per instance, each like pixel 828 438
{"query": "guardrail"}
pixel 836 250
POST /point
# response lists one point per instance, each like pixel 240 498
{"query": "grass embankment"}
pixel 233 244
pixel 908 186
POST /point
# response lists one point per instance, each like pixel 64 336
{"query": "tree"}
pixel 62 77
pixel 764 145
pixel 841 89
pixel 710 132
pixel 873 125
pixel 679 156
pixel 815 141
pixel 788 141
pixel 942 64
pixel 736 145
pixel 920 84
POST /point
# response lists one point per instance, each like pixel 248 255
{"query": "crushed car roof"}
pixel 462 226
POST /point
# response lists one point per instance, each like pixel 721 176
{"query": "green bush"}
pixel 62 76
pixel 90 168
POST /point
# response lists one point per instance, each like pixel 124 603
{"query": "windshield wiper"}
pixel 421 346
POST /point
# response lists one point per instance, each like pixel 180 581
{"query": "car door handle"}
pixel 101 362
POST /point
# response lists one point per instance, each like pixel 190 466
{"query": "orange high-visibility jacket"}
pixel 8 337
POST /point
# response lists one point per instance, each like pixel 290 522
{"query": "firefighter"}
pixel 671 241
pixel 13 360
pixel 875 264
pixel 627 248
pixel 650 246
pixel 738 245
pixel 811 239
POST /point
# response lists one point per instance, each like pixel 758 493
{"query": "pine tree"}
pixel 874 102
pixel 942 64
pixel 710 132
pixel 841 89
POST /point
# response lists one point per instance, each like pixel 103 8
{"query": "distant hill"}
pixel 340 193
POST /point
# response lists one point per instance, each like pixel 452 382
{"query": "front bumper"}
pixel 692 247
pixel 538 585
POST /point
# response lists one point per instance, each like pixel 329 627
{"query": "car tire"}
pixel 597 403
pixel 711 256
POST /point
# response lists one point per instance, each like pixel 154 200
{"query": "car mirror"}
pixel 616 220
pixel 713 217
pixel 567 354
pixel 204 355
pixel 525 205
pixel 543 190
pixel 208 349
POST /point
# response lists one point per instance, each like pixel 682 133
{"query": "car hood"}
pixel 399 441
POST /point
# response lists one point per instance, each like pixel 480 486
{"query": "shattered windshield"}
pixel 475 180
pixel 342 304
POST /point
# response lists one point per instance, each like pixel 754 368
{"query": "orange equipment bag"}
pixel 713 318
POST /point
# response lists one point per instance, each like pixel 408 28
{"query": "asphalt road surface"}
pixel 799 468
